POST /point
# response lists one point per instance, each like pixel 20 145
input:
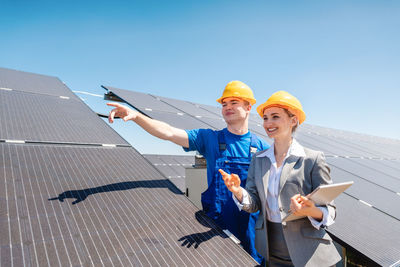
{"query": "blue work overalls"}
pixel 217 199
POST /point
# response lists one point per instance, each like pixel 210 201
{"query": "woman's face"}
pixel 277 123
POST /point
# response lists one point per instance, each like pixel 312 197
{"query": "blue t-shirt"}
pixel 205 141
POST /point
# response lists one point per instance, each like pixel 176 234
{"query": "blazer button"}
pixel 280 209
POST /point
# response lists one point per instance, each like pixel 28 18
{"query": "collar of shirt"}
pixel 295 149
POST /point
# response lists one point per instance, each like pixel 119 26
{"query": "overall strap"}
pixel 221 142
pixel 253 144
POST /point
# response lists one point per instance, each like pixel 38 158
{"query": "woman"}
pixel 279 180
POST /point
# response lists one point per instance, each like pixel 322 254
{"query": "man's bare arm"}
pixel 156 128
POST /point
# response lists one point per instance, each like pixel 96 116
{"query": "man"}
pixel 229 149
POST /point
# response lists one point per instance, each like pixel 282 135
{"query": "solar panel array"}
pixel 74 193
pixel 368 217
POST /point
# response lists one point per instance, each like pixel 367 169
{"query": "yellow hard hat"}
pixel 238 89
pixel 284 100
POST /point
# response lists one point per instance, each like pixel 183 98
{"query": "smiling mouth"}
pixel 271 130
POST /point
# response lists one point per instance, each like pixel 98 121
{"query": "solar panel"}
pixel 46 118
pixel 184 160
pixel 142 101
pixel 370 192
pixel 367 230
pixel 391 165
pixel 190 108
pixel 379 146
pixel 178 120
pixel 371 171
pixel 172 167
pixel 33 83
pixel 89 205
pixel 213 109
pixel 329 146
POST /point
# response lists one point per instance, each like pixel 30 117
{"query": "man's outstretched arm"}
pixel 156 128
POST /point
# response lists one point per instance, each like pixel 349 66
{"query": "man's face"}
pixel 235 109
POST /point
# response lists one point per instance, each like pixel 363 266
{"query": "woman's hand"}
pixel 232 182
pixel 302 206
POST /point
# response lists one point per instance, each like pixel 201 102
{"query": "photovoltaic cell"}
pixel 33 83
pixel 45 118
pixel 101 206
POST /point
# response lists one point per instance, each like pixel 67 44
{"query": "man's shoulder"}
pixel 202 133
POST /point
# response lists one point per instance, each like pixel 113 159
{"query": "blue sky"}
pixel 340 58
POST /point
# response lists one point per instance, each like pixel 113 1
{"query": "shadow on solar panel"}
pixel 82 194
pixel 197 238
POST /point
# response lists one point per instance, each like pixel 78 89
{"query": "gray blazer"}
pixel 307 246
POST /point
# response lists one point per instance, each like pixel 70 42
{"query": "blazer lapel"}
pixel 287 168
pixel 265 167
